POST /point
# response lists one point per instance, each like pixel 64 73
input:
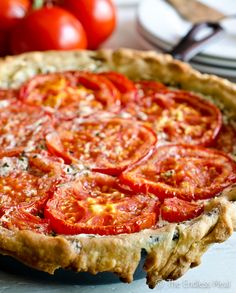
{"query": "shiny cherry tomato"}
pixel 71 93
pixel 108 146
pixel 22 126
pixel 98 18
pixel 21 218
pixel 176 116
pixel 27 179
pixel 49 28
pixel 184 171
pixel 11 12
pixel 177 210
pixel 94 203
pixel 125 86
pixel 226 140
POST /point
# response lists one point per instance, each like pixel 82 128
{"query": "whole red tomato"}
pixel 11 11
pixel 98 18
pixel 49 28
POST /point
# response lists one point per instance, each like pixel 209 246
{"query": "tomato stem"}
pixel 37 4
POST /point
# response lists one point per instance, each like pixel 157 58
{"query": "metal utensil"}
pixel 196 11
pixel 191 44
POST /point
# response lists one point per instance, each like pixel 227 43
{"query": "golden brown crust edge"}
pixel 172 249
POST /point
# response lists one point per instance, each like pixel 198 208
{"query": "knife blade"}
pixel 196 11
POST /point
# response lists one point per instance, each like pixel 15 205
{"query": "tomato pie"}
pixel 105 154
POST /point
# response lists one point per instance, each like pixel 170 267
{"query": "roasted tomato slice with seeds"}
pixel 226 140
pixel 147 88
pixel 108 146
pixel 187 172
pixel 176 210
pixel 22 126
pixel 22 218
pixel 7 95
pixel 176 116
pixel 71 93
pixel 192 120
pixel 95 204
pixel 125 86
pixel 27 179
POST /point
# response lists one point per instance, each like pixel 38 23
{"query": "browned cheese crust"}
pixel 171 249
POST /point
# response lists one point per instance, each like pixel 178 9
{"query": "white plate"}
pixel 228 73
pixel 201 58
pixel 126 2
pixel 160 21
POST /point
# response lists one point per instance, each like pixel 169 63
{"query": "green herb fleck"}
pixel 168 174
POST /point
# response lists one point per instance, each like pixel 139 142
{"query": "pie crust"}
pixel 171 249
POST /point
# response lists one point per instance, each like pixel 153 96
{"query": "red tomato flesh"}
pixel 176 210
pixel 226 140
pixel 22 126
pixel 71 93
pixel 187 172
pixel 125 86
pixel 108 146
pixel 20 218
pixel 27 179
pixel 95 204
pixel 176 116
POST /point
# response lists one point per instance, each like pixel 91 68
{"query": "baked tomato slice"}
pixel 187 172
pixel 22 218
pixel 27 179
pixel 7 95
pixel 177 116
pixel 108 146
pixel 23 126
pixel 226 140
pixel 95 204
pixel 71 93
pixel 147 88
pixel 125 86
pixel 176 210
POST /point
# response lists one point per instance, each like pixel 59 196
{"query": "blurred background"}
pixel 29 25
pixel 157 25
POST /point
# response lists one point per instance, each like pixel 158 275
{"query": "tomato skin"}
pixel 176 210
pixel 71 93
pixel 98 18
pixel 149 88
pixel 105 91
pixel 11 152
pixel 108 146
pixel 226 139
pixel 176 116
pixel 95 204
pixel 8 94
pixel 22 218
pixel 49 28
pixel 21 121
pixel 11 12
pixel 28 180
pixel 125 86
pixel 210 117
pixel 187 172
